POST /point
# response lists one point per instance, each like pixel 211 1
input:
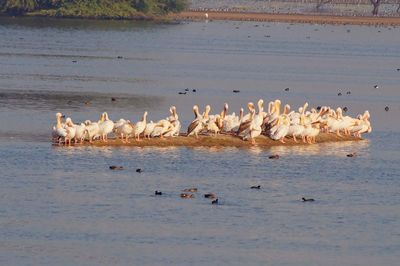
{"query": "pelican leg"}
pixel 294 138
pixel 282 140
pixel 338 133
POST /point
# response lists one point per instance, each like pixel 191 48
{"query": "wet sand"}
pixel 220 140
pixel 289 18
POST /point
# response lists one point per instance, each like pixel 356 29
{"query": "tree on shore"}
pixel 375 4
pixel 114 7
pixel 320 3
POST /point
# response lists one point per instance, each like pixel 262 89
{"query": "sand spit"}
pixel 215 141
pixel 289 18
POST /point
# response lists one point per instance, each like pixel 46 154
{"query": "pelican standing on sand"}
pixel 106 126
pixel 197 124
pixel 59 132
pixel 140 126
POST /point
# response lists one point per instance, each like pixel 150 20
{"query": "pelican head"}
pixel 250 106
pixel 60 115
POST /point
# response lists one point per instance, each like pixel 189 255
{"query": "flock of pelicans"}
pixel 275 123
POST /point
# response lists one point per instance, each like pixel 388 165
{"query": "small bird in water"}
pixel 348 93
pixel 209 196
pixel 119 57
pixel 275 156
pixel 113 99
pixel 115 167
pixel 304 199
pixel 214 202
pixel 255 187
pixel 236 91
pixel 194 90
pixel 345 109
pixel 187 89
pixel 158 193
pixel 138 170
pixel 387 108
pixel 376 87
pixel 339 94
pixel 187 196
pixel 182 93
pixel 192 189
pixel 287 89
pixel 353 154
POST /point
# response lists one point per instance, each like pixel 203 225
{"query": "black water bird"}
pixel 187 89
pixel 119 57
pixel 287 89
pixel 353 154
pixel 116 167
pixel 387 108
pixel 157 193
pixel 345 109
pixel 138 170
pixel 255 187
pixel 236 91
pixel 376 87
pixel 275 156
pixel 339 94
pixel 194 90
pixel 183 93
pixel 304 199
pixel 214 202
pixel 113 99
pixel 348 93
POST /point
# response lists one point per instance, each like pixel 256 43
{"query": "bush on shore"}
pixel 92 8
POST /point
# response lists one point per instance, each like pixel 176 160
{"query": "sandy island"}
pixel 289 18
pixel 215 141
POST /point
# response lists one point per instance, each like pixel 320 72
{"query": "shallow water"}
pixel 64 206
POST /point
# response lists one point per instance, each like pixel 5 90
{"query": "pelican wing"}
pixel 192 126
pixel 244 126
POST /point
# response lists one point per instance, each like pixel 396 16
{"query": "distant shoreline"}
pixel 287 18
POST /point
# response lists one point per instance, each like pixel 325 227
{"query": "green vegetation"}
pixel 118 9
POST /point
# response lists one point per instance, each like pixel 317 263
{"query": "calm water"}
pixel 62 206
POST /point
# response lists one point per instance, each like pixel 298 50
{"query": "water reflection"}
pixel 338 149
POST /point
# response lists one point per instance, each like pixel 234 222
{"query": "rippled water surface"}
pixel 63 206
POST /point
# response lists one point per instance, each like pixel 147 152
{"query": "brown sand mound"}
pixel 289 18
pixel 216 141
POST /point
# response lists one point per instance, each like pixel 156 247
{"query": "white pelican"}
pixel 118 126
pixel 311 131
pixel 59 132
pixel 296 128
pixel 282 128
pixel 106 126
pixel 256 122
pixel 71 130
pixel 91 130
pixel 127 130
pixel 212 125
pixel 244 127
pixel 140 126
pixel 162 127
pixel 197 124
pixel 149 129
pixel 174 120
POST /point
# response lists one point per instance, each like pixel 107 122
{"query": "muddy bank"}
pixel 289 18
pixel 216 141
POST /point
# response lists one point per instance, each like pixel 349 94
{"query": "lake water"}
pixel 63 206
